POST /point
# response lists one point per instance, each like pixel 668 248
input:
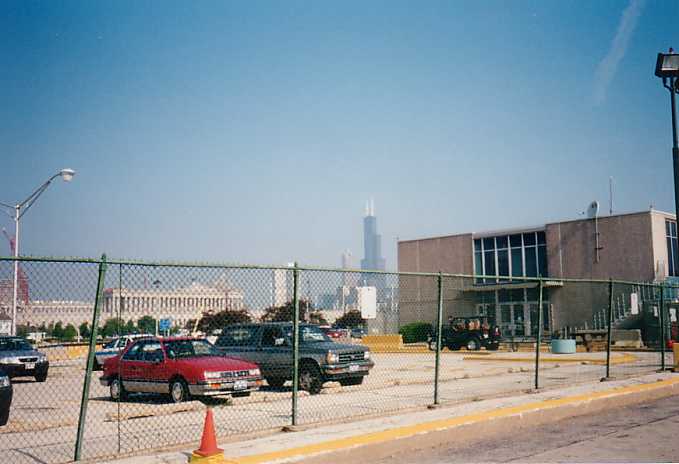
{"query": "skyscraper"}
pixel 372 246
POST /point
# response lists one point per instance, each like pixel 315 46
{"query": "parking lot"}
pixel 44 416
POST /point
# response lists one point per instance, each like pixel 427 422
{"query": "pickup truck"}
pixel 473 333
pixel 320 359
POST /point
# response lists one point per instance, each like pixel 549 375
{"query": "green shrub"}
pixel 416 332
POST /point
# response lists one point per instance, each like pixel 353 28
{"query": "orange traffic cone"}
pixel 208 451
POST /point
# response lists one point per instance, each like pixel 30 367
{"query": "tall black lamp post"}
pixel 667 68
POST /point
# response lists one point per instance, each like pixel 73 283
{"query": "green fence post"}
pixel 538 340
pixel 663 340
pixel 609 330
pixel 439 327
pixel 295 342
pixel 90 359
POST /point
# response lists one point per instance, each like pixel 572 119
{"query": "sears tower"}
pixel 372 245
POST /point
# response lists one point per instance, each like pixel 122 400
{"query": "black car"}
pixel 320 359
pixel 473 333
pixel 5 397
pixel 19 359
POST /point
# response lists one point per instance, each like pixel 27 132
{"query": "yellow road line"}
pixel 442 424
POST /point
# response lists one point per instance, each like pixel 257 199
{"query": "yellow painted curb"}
pixel 442 424
pixel 621 359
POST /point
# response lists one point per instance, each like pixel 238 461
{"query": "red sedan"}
pixel 181 367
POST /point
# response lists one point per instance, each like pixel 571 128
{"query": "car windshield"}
pixel 15 344
pixel 189 348
pixel 309 334
pixel 111 344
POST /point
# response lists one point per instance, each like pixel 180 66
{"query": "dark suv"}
pixel 469 332
pixel 320 359
pixel 19 359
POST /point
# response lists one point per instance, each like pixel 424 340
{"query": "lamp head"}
pixel 67 174
pixel 667 65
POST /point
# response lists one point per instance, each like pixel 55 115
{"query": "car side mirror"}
pixel 279 342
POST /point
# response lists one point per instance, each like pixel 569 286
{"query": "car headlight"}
pixel 332 358
pixel 212 375
pixel 254 372
pixel 9 360
pixel 42 358
pixel 4 381
pixel 366 355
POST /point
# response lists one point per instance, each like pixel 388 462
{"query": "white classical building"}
pixel 180 305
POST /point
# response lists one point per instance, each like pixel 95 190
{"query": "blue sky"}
pixel 255 131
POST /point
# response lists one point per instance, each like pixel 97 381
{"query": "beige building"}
pixel 640 247
pixel 180 305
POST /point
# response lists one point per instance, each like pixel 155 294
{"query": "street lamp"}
pixel 19 211
pixel 667 68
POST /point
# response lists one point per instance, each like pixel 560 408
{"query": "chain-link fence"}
pixel 267 348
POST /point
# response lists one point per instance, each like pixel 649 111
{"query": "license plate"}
pixel 240 385
pixel 353 367
pixel 29 366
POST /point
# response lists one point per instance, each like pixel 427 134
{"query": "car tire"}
pixel 351 381
pixel 473 344
pixel 432 345
pixel 4 416
pixel 116 390
pixel 96 366
pixel 310 379
pixel 275 382
pixel 179 391
pixel 493 347
pixel 41 377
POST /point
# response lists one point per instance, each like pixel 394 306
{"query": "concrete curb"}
pixel 619 359
pixel 377 445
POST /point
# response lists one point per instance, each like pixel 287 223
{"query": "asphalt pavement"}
pixel 646 432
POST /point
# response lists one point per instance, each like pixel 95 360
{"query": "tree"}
pixel 129 327
pixel 84 330
pixel 212 321
pixel 285 313
pixel 350 320
pixel 316 317
pixel 58 331
pixel 146 325
pixel 111 328
pixel 69 333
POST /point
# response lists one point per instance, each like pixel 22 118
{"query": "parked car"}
pixel 358 332
pixel 112 348
pixel 320 359
pixel 333 332
pixel 181 367
pixel 5 397
pixel 18 358
pixel 472 333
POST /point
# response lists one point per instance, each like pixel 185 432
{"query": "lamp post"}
pixel 18 212
pixel 667 68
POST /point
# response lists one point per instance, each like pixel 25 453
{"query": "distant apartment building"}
pixel 639 247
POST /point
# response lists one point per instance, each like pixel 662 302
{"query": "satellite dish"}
pixel 593 210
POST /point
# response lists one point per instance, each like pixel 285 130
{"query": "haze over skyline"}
pixel 254 132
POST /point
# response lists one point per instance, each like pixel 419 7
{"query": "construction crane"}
pixel 22 293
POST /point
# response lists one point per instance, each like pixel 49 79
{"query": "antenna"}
pixel 593 210
pixel 610 195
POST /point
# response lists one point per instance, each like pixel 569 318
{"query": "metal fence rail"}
pixel 431 340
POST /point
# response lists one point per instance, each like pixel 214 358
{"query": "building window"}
pixel 507 256
pixel 672 248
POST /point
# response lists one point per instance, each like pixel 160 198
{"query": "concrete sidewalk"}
pixel 386 433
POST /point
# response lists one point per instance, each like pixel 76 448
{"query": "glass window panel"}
pixel 670 261
pixel 531 262
pixel 505 313
pixel 532 294
pixel 529 239
pixel 489 243
pixel 541 238
pixel 504 296
pixel 517 263
pixel 675 258
pixel 478 264
pixel 667 228
pixel 516 294
pixel 673 228
pixel 542 261
pixel 545 315
pixel 515 240
pixel 501 241
pixel 503 262
pixel 477 244
pixel 490 263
